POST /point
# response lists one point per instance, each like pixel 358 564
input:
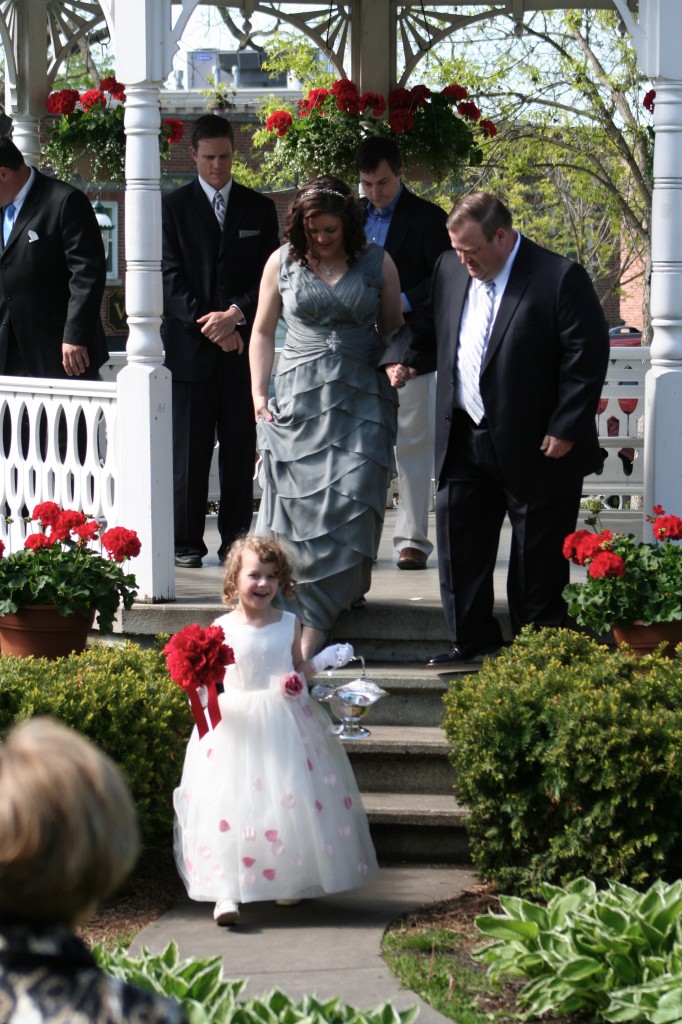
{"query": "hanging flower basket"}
pixel 438 132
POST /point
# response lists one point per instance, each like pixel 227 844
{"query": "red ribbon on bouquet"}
pixel 198 656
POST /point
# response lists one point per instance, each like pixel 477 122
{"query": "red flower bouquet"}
pixel 627 582
pixel 197 657
pixel 59 566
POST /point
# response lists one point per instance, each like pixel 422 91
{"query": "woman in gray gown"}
pixel 326 439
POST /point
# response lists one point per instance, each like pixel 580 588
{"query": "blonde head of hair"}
pixel 68 827
pixel 266 549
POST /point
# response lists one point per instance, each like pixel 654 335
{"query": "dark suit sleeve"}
pixel 179 299
pixel 434 240
pixel 268 241
pixel 414 344
pixel 86 266
pixel 584 342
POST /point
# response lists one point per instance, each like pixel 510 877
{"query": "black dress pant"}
pixel 219 408
pixel 471 502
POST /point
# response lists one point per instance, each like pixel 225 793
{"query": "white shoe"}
pixel 226 912
pixel 287 903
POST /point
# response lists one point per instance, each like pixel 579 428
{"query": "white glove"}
pixel 334 656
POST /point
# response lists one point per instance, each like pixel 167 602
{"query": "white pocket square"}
pixel 248 234
pixel 32 237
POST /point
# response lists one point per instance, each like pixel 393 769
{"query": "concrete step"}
pixel 402 759
pixel 417 828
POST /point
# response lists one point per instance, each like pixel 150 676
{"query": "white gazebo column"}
pixel 26 76
pixel 373 58
pixel 144 407
pixel 656 38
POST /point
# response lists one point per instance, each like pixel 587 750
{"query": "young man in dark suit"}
pixel 413 232
pixel 522 349
pixel 52 275
pixel 217 236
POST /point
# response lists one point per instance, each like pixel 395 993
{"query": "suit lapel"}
pixel 233 217
pixel 400 222
pixel 458 294
pixel 204 211
pixel 26 213
pixel 517 284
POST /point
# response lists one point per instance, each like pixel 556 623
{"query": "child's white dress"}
pixel 268 807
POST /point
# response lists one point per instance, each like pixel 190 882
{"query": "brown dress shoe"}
pixel 412 558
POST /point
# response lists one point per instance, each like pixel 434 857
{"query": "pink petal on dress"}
pixel 223 826
pixel 248 862
pixel 269 873
pixel 272 835
pixel 310 765
pixel 345 830
pixel 288 800
pixel 318 807
pixel 347 802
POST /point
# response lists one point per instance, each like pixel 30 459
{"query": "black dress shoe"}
pixel 460 653
pixel 188 561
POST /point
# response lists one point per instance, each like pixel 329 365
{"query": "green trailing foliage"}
pixel 615 954
pixel 120 697
pixel 209 999
pixel 569 757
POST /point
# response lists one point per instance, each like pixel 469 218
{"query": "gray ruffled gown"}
pixel 327 456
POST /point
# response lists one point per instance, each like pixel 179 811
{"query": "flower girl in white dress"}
pixel 268 807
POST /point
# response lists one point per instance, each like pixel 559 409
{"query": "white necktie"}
pixel 219 208
pixel 470 357
pixel 8 221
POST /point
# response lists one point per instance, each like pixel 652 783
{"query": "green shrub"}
pixel 569 757
pixel 121 697
pixel 616 953
pixel 208 999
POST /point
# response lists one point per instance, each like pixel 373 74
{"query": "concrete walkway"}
pixel 325 947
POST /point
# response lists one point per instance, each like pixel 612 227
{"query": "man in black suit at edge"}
pixel 217 236
pixel 52 275
pixel 522 349
pixel 413 232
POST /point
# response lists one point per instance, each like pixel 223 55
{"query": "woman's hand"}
pixel 260 405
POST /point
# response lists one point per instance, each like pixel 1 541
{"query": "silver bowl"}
pixel 350 702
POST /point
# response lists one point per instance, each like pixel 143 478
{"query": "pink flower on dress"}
pixel 292 685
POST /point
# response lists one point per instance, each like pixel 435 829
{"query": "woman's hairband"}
pixel 324 192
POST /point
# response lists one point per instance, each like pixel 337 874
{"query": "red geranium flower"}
pixel 62 102
pixel 469 110
pixel 401 120
pixel 88 531
pixel 2 548
pixel 606 564
pixel 344 87
pixel 37 540
pixel 658 510
pixel 120 543
pixel 174 129
pixel 47 512
pixel 304 108
pixel 65 522
pixel 400 97
pixel 114 88
pixel 279 121
pixel 348 103
pixel 488 127
pixel 93 98
pixel 316 97
pixel 668 528
pixel 648 101
pixel 374 100
pixel 419 94
pixel 455 92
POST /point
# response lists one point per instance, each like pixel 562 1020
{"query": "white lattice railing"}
pixel 57 445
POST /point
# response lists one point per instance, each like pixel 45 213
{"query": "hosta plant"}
pixel 614 953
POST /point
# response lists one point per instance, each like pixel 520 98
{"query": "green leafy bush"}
pixel 616 954
pixel 121 698
pixel 208 999
pixel 569 757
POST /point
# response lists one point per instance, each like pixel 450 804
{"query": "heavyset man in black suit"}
pixel 413 232
pixel 52 275
pixel 533 439
pixel 213 260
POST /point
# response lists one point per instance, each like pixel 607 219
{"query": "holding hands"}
pixel 399 374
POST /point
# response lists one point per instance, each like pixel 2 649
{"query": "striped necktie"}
pixel 219 208
pixel 470 357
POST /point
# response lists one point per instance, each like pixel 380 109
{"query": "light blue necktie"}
pixel 8 221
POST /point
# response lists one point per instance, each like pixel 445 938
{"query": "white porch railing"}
pixel 57 445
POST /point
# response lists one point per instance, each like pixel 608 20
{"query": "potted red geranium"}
pixel 51 590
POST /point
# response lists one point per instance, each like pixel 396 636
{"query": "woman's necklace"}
pixel 324 268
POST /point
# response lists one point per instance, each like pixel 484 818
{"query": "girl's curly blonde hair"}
pixel 267 549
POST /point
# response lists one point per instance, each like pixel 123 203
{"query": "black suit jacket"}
pixel 206 269
pixel 416 238
pixel 543 371
pixel 52 276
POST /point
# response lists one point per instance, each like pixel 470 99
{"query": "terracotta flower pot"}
pixel 645 639
pixel 39 630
